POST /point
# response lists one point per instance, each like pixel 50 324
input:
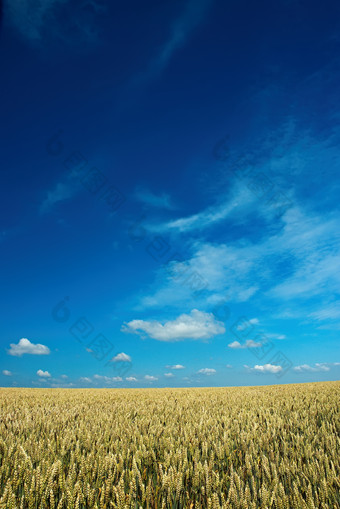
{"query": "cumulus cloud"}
pixel 43 374
pixel 131 379
pixel 176 366
pixel 6 372
pixel 102 378
pixel 169 375
pixel 85 379
pixel 150 378
pixel 196 325
pixel 26 347
pixel 207 371
pixel 266 368
pixel 248 344
pixel 123 357
pixel 107 379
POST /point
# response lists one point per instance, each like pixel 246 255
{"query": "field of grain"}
pixel 248 447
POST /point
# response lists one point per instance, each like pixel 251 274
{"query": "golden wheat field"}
pixel 248 447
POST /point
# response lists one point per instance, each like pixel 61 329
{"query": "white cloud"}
pixel 306 244
pixel 331 312
pixel 43 374
pixel 6 372
pixel 64 377
pixel 244 325
pixel 223 270
pixel 107 379
pixel 169 375
pixel 62 385
pixel 200 220
pixel 316 257
pixel 248 344
pixel 318 366
pixel 207 371
pixel 228 366
pixel 85 379
pixel 123 357
pixel 176 366
pixel 131 379
pixel 235 344
pixel 150 378
pixel 252 344
pixel 26 347
pixel 276 336
pixel 196 325
pixel 266 368
pixel 240 199
pixel 102 378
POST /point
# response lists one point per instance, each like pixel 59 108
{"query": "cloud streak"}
pixel 191 17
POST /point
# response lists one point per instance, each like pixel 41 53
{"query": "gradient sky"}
pixel 169 193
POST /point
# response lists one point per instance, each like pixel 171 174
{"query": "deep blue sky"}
pixel 207 250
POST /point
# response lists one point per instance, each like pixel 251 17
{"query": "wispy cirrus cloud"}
pixel 191 17
pixel 196 325
pixel 276 336
pixel 326 313
pixel 240 199
pixel 61 192
pixel 293 264
pixel 293 258
pixel 158 201
pixel 50 20
pixel 318 367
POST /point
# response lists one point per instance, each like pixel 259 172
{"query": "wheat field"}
pixel 245 447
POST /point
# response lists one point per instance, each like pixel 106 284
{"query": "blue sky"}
pixel 170 184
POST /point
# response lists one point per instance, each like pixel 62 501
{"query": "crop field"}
pixel 245 447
